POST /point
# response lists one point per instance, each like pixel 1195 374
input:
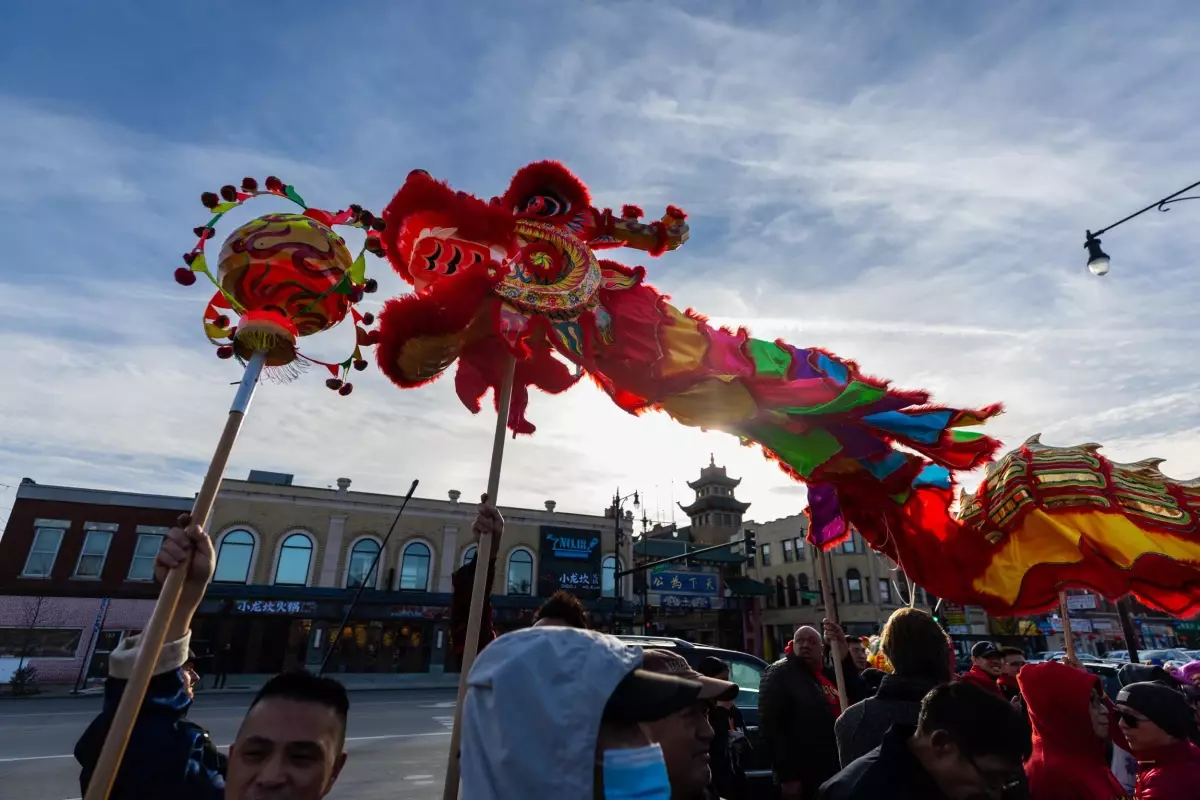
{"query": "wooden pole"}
pixel 831 613
pixel 1068 634
pixel 152 638
pixel 483 557
pixel 1131 642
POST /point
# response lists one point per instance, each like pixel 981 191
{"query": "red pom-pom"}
pixel 374 246
pixel 371 286
pixel 210 199
pixel 675 212
pixel 334 383
pixel 229 192
pixel 188 258
pixel 368 318
pixel 184 276
pixel 225 351
pixel 378 225
pixel 204 232
pixel 356 294
pixel 249 185
pixel 360 364
pixel 346 389
pixel 221 321
pixel 631 212
pixel 274 184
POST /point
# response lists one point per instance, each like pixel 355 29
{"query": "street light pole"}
pixel 618 540
pixel 1098 261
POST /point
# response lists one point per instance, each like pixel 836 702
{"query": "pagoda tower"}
pixel 716 513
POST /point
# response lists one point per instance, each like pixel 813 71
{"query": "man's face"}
pixel 807 646
pixel 1141 733
pixel 1099 714
pixel 190 679
pixel 963 778
pixel 1013 664
pixel 992 665
pixel 685 737
pixel 858 654
pixel 286 750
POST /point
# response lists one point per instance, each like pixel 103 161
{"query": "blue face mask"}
pixel 636 773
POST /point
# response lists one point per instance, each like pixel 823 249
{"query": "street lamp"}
pixel 618 540
pixel 1098 261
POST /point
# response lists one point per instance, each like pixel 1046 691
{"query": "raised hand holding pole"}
pixel 479 590
pixel 831 612
pixel 153 637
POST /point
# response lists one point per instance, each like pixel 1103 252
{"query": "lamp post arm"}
pixel 1160 205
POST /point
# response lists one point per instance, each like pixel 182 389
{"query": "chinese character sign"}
pixel 569 558
pixel 690 583
pixel 685 601
pixel 275 606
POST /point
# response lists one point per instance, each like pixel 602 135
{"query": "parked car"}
pixel 1049 655
pixel 746 671
pixel 1084 658
pixel 1108 676
pixel 1161 657
pixel 1117 655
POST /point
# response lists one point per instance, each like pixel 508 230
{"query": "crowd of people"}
pixel 561 712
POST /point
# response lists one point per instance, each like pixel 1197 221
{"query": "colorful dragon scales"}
pixel 518 274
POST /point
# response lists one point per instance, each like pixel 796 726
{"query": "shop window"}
pixel 363 559
pixel 233 557
pixel 609 567
pixel 39 642
pixel 414 567
pixel 46 541
pixel 520 572
pixel 792 598
pixel 295 558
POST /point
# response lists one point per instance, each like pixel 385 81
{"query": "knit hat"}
pixel 1162 705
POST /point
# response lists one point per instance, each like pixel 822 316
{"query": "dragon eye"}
pixel 545 205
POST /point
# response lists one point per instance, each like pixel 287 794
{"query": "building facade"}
pixel 76 576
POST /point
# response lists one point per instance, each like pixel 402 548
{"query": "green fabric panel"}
pixel 770 360
pixel 855 395
pixel 803 452
pixel 965 436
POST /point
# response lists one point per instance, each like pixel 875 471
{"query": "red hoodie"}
pixel 1069 761
pixel 978 677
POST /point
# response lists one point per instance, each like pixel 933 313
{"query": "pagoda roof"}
pixel 712 475
pixel 715 502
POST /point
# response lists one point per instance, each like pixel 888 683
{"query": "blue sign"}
pixel 576 547
pixel 685 601
pixel 702 583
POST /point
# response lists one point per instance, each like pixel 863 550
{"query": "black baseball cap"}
pixel 985 650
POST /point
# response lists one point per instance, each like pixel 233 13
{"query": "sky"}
pixel 906 184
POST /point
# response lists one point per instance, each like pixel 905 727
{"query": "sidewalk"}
pixel 249 684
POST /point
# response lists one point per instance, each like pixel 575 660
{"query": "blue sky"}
pixel 906 184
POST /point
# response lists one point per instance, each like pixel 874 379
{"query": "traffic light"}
pixel 751 547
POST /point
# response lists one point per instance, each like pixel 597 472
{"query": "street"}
pixel 397 742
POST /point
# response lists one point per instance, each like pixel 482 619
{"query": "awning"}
pixel 746 587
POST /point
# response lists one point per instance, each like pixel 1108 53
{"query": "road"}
pixel 397 742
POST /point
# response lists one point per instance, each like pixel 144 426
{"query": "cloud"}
pixel 905 186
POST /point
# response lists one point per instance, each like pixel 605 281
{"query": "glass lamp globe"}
pixel 1099 266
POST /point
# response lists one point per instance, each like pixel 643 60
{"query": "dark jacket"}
pixel 1069 762
pixel 1008 687
pixel 728 777
pixel 861 729
pixel 889 771
pixel 168 756
pixel 462 583
pixel 1169 773
pixel 796 722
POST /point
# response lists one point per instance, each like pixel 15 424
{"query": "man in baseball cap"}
pixel 987 663
pixel 546 708
pixel 686 735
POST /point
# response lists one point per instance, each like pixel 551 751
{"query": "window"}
pixel 362 556
pixel 414 567
pixel 747 676
pixel 39 642
pixel 770 593
pixel 766 554
pixel 799 548
pixel 520 572
pixel 46 541
pixel 885 590
pixel 792 597
pixel 295 557
pixel 468 554
pixel 141 567
pixel 789 554
pixel 780 602
pixel 804 601
pixel 608 568
pixel 841 590
pixel 93 554
pixel 848 545
pixel 234 557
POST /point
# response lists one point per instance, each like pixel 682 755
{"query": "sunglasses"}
pixel 1129 719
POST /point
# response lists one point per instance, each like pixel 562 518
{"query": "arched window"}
pixel 792 598
pixel 854 585
pixel 780 602
pixel 520 572
pixel 804 601
pixel 609 567
pixel 468 554
pixel 414 567
pixel 295 557
pixel 362 556
pixel 234 557
pixel 770 593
